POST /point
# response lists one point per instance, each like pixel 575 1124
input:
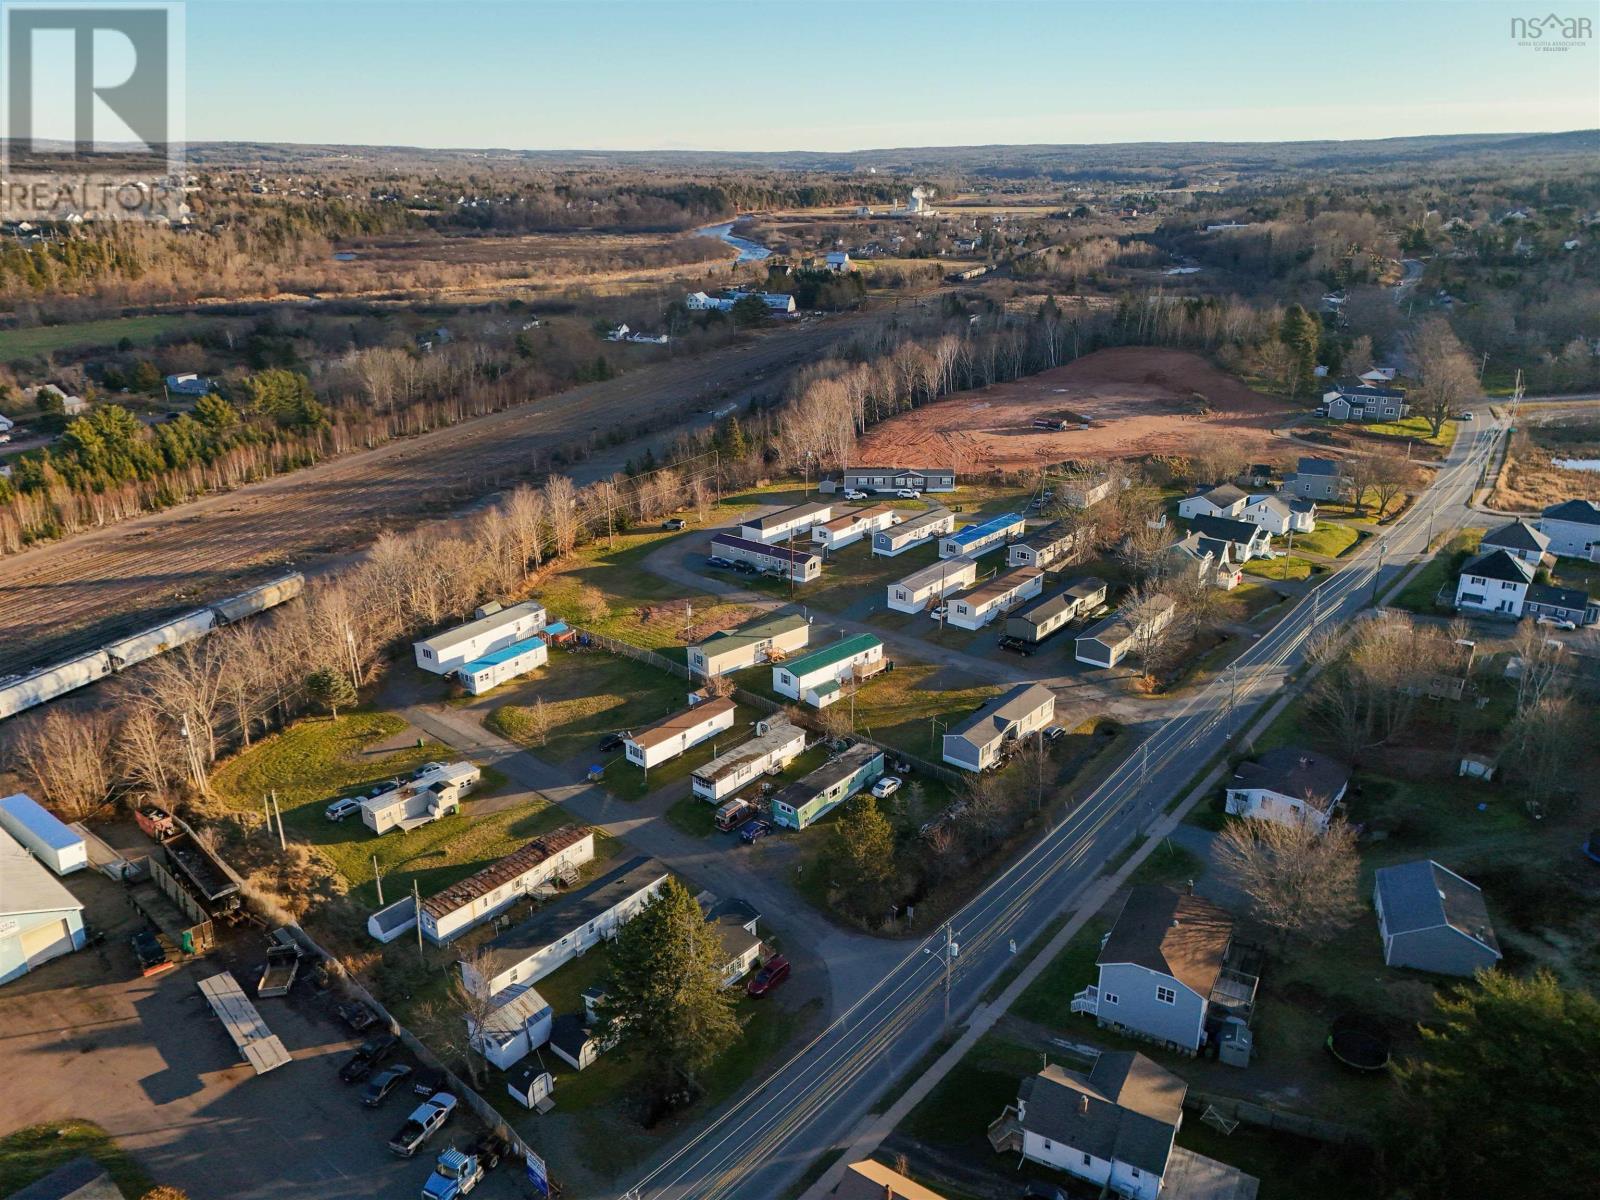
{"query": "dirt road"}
pixel 59 598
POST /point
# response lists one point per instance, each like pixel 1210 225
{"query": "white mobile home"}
pixel 524 872
pixel 854 525
pixel 751 643
pixel 435 791
pixel 498 666
pixel 777 743
pixel 978 607
pixel 514 1028
pixel 975 540
pixel 672 735
pixel 815 679
pixel 48 839
pixel 920 588
pixel 897 539
pixel 801 565
pixel 39 918
pixel 493 628
pixel 1113 639
pixel 776 527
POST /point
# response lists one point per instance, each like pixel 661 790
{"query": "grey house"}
pixel 1352 400
pixel 1045 547
pixel 979 742
pixel 1518 539
pixel 1573 527
pixel 1431 919
pixel 1316 479
pixel 892 479
pixel 1038 621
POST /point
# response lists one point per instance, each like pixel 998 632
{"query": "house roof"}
pixel 1518 535
pixel 1225 529
pixel 1050 535
pixel 1424 895
pixel 991 722
pixel 883 470
pixel 1001 586
pixel 516 1007
pixel 1354 389
pixel 1582 512
pixel 750 546
pixel 780 732
pixel 503 870
pixel 1301 774
pixel 856 515
pixel 1220 550
pixel 1497 564
pixel 936 571
pixel 1126 1108
pixel 1317 466
pixel 1279 504
pixel 762 629
pixel 504 654
pixel 835 771
pixel 440 642
pixel 989 528
pixel 787 515
pixel 869 1180
pixel 934 516
pixel 1086 586
pixel 1173 933
pixel 570 1034
pixel 1224 496
pixel 1050 606
pixel 1557 597
pixel 829 656
pixel 1190 546
pixel 681 722
pixel 79 1178
pixel 26 886
pixel 597 897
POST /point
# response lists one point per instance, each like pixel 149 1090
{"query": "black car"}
pixel 357 1016
pixel 368 1055
pixel 384 1082
pixel 720 563
pixel 674 523
pixel 745 568
pixel 1043 1191
pixel 1017 646
pixel 427 1081
pixel 612 741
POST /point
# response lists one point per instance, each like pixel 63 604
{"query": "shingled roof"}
pixel 504 870
pixel 1302 774
pixel 1518 535
pixel 1126 1108
pixel 1497 564
pixel 1176 934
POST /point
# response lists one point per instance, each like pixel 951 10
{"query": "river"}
pixel 748 251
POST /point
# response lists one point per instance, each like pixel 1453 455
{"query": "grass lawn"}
pixel 32 1153
pixel 317 759
pixel 901 707
pixel 50 339
pixel 627 781
pixel 855 581
pixel 1048 998
pixel 1413 429
pixel 1439 572
pixel 1289 567
pixel 957 1113
pixel 1327 539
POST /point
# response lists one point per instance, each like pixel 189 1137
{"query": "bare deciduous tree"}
pixel 1302 882
pixel 1445 373
pixel 67 758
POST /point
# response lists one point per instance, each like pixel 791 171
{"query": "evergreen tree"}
pixel 863 858
pixel 1301 333
pixel 331 689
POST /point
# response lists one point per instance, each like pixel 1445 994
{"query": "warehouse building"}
pixel 39 918
pixel 493 628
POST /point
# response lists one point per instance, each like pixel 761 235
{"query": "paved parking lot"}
pixel 85 1036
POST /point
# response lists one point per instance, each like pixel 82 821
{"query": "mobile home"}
pixel 978 607
pixel 914 593
pixel 975 540
pixel 750 644
pixel 815 679
pixel 433 793
pixel 672 735
pixel 897 539
pixel 499 666
pixel 493 628
pixel 777 743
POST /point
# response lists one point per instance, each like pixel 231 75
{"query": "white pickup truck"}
pixel 424 1121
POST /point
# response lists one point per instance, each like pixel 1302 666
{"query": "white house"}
pixel 816 678
pixel 972 541
pixel 977 608
pixel 564 928
pixel 6 424
pixel 777 743
pixel 492 628
pixel 41 832
pixel 672 735
pixel 796 520
pixel 39 918
pixel 1224 501
pixel 700 302
pixel 920 588
pixel 1279 514
pixel 1288 785
pixel 854 525
pixel 1114 1126
pixel 1245 540
pixel 1494 583
pixel 498 666
pixel 800 565
pixel 980 742
pixel 897 539
pixel 434 792
pixel 754 642
pixel 527 871
pixel 838 261
pixel 517 1026
pixel 1518 539
pixel 1378 376
pixel 1573 527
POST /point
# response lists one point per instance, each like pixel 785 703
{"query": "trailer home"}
pixel 492 629
pixel 502 665
pixel 777 743
pixel 434 792
pixel 897 539
pixel 984 604
pixel 927 586
pixel 762 640
pixel 975 540
pixel 530 870
pixel 672 735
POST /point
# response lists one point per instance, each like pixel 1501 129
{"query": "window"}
pixel 1166 995
pixel 1046 1143
pixel 1109 997
pixel 1087 1160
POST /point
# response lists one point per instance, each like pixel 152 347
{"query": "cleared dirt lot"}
pixel 1137 400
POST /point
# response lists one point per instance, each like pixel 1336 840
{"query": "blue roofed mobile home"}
pixel 974 540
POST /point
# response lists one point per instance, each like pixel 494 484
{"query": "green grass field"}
pixel 1412 429
pixel 32 1153
pixel 51 339
pixel 1327 539
pixel 1291 567
pixel 1419 595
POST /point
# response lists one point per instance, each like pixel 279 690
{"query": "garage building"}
pixel 39 918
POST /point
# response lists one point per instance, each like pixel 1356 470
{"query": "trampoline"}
pixel 1359 1045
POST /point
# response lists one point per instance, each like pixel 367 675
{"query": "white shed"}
pixel 38 830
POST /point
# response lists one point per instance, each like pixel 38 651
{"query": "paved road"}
pixel 764 1143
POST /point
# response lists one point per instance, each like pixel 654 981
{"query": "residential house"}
pixel 518 1024
pixel 1378 376
pixel 854 525
pixel 810 799
pixel 672 735
pixel 871 1180
pixel 1038 621
pixel 1085 493
pixel 897 539
pixel 1055 543
pixel 971 541
pixel 1245 540
pixel 1352 401
pixel 435 791
pixel 816 678
pixel 1113 1126
pixel 800 565
pixel 752 643
pixel 838 261
pixel 1108 642
pixel 893 479
pixel 983 604
pixel 498 666
pixel 1431 919
pixel 1289 785
pixel 1165 969
pixel 1260 475
pixel 734 924
pixel 1224 501
pixel 1200 559
pixel 1573 527
pixel 6 424
pixel 529 871
pixel 980 742
pixel 1278 515
pixel 1560 604
pixel 189 384
pixel 913 593
pixel 1494 583
pixel 778 302
pixel 1518 539
pixel 1317 479
pixel 777 743
pixel 779 526
pixel 700 302
pixel 492 628
pixel 564 928
pixel 39 918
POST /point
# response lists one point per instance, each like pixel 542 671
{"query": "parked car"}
pixel 908 494
pixel 754 830
pixel 773 972
pixel 1466 416
pixel 731 814
pixel 368 1055
pixel 388 785
pixel 1557 622
pixel 939 614
pixel 887 786
pixel 1054 733
pixel 612 741
pixel 1043 1191
pixel 745 568
pixel 427 1081
pixel 719 563
pixel 357 1015
pixel 423 1122
pixel 345 806
pixel 1017 646
pixel 854 494
pixel 384 1082
pixel 674 523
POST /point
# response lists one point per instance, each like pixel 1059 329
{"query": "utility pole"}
pixel 1233 693
pixel 1377 573
pixel 278 812
pixel 416 911
pixel 611 528
pixel 355 665
pixel 949 958
pixel 791 566
pixel 377 877
pixel 1144 764
pixel 688 615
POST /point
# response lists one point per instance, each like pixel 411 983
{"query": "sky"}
pixel 834 75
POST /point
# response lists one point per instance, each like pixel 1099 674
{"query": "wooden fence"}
pixel 1269 1117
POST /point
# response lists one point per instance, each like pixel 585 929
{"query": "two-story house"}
pixel 1289 785
pixel 1494 583
pixel 1278 515
pixel 1245 541
pixel 1224 501
pixel 1316 479
pixel 1518 539
pixel 1573 527
pixel 1353 401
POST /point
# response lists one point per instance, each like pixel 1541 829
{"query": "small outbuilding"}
pixel 1431 919
pixel 40 832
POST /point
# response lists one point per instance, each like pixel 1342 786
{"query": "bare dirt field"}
pixel 1530 480
pixel 1137 401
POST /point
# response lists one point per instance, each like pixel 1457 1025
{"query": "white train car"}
pixel 46 684
pixel 259 599
pixel 158 639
